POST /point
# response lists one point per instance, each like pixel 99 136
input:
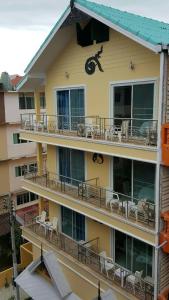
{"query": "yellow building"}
pixel 105 75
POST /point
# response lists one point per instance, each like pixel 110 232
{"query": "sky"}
pixel 24 24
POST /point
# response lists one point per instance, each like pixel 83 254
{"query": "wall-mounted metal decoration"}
pixel 98 158
pixel 92 62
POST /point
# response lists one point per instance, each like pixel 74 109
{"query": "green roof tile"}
pixel 152 31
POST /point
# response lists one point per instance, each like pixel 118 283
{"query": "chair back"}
pixel 109 196
pixel 43 216
pixel 55 223
pixel 89 122
pixel 125 128
pixel 116 196
pixel 102 259
pixel 138 275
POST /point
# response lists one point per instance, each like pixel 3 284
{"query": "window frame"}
pixel 143 81
pixel 25 104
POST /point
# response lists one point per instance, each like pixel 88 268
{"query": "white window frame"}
pixel 132 177
pixel 114 84
pixel 68 88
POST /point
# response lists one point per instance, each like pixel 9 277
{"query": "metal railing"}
pixel 88 253
pixel 122 130
pixel 135 210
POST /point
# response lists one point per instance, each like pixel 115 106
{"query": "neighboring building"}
pixel 106 81
pixel 16 156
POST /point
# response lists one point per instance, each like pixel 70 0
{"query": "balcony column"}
pixel 37 105
pixel 40 158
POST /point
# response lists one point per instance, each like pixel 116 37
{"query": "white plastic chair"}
pixel 109 196
pixel 124 132
pixel 112 199
pixel 41 218
pixel 53 226
pixel 106 263
pixel 134 279
pixel 89 127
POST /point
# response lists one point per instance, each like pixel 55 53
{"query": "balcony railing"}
pixel 87 253
pixel 120 130
pixel 137 211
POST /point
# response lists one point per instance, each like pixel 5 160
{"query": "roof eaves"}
pixel 22 82
pixel 49 38
pixel 147 44
pixel 27 77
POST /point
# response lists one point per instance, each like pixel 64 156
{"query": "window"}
pixel 26 101
pixel 134 101
pixel 22 170
pixel 134 178
pixel 73 224
pixel 25 198
pixel 71 165
pixel 133 254
pixel 42 100
pixel 17 140
pixel 70 107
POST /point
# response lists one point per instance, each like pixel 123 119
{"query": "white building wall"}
pixel 12 111
pixel 16 182
pixel 18 150
pixel 11 101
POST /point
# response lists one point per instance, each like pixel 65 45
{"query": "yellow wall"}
pixel 93 170
pixel 96 229
pixel 51 161
pixel 26 258
pixel 98 170
pixel 3 139
pixel 115 59
pixel 54 210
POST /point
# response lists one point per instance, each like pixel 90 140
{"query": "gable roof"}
pixel 40 289
pixel 148 32
pixel 152 31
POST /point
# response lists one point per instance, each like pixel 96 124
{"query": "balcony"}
pixel 123 207
pixel 141 132
pixel 88 254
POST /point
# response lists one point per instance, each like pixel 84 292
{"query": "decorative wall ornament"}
pixel 93 61
pixel 98 158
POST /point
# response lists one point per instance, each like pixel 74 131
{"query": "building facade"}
pixel 16 156
pixel 106 78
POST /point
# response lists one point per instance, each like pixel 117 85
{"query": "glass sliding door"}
pixel 70 108
pixel 144 181
pixel 132 254
pixel 64 164
pixel 73 224
pixel 76 107
pixel 71 165
pixel 122 102
pixel 134 178
pixel 134 101
pixel 63 109
pixel 122 169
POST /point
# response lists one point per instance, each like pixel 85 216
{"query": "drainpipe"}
pixel 161 120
